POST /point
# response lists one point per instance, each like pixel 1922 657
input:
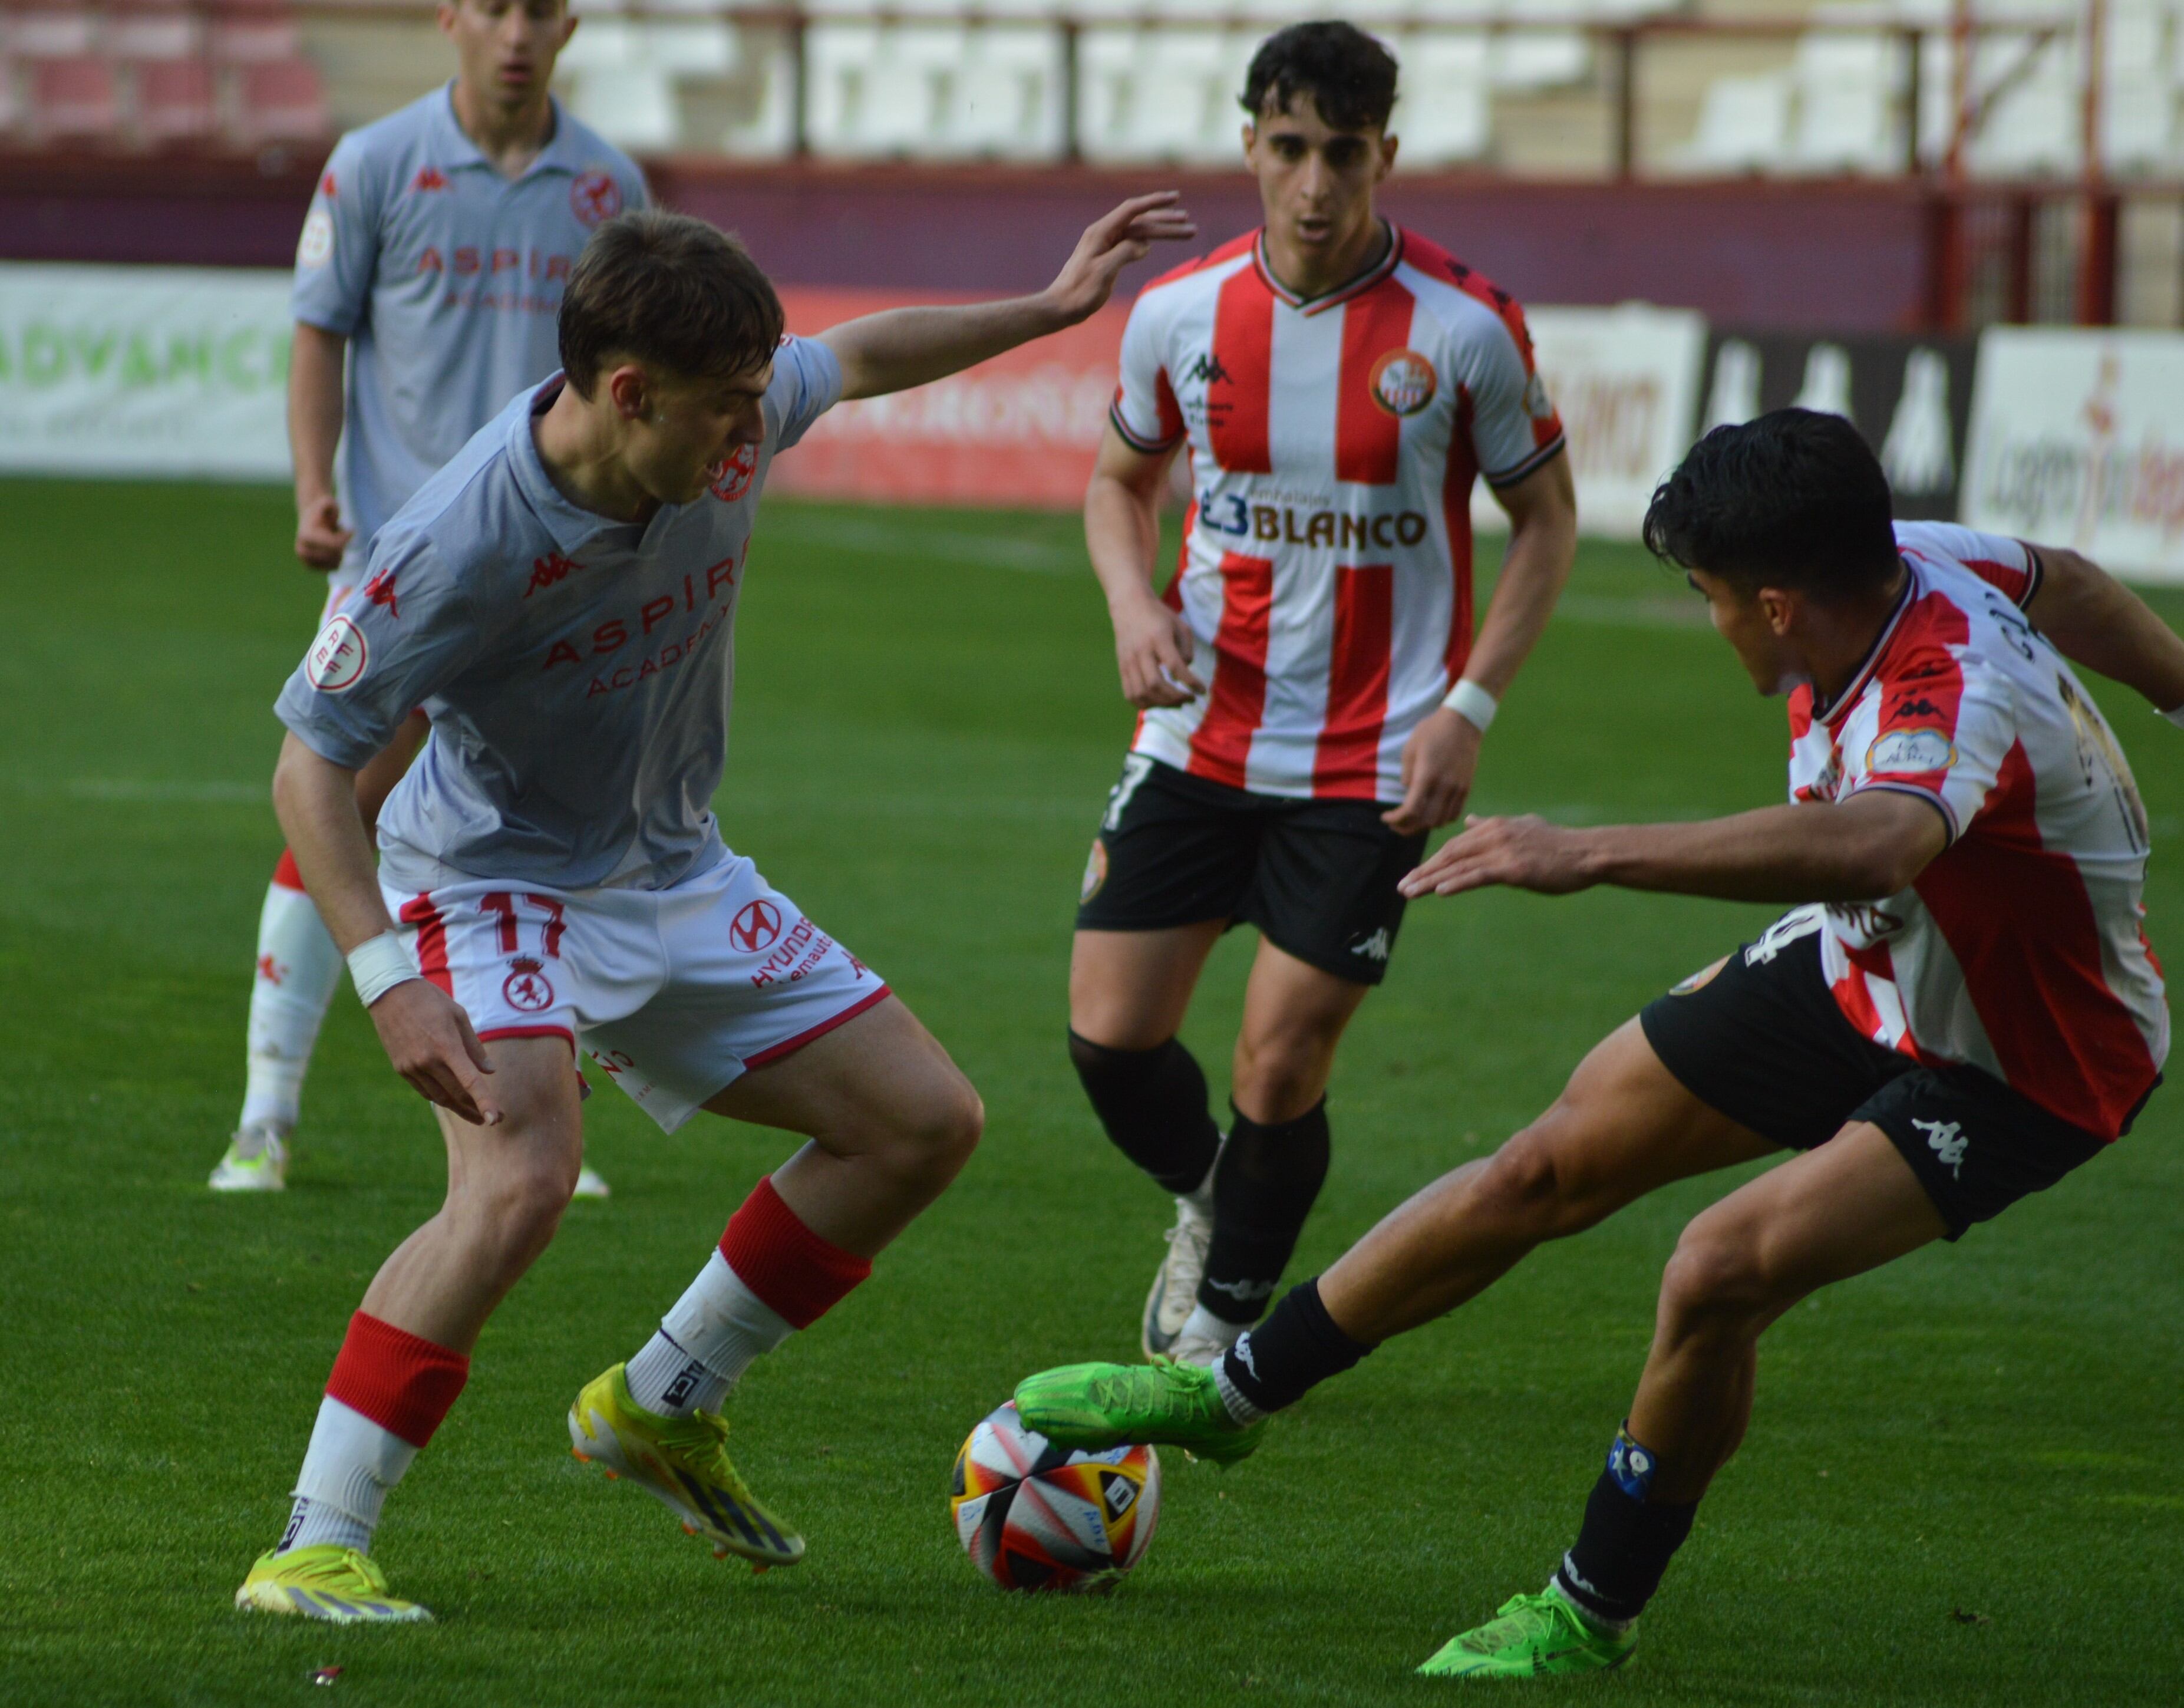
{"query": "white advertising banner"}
pixel 2077 437
pixel 144 370
pixel 1625 380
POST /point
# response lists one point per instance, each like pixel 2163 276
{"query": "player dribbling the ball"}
pixel 1965 1010
pixel 563 596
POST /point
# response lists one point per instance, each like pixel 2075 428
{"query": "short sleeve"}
pixel 2008 565
pixel 807 383
pixel 1514 428
pixel 635 191
pixel 338 251
pixel 1145 412
pixel 1947 724
pixel 397 640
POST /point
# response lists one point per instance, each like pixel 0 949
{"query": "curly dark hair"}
pixel 1349 76
pixel 673 291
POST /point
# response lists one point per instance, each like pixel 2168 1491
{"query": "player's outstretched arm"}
pixel 1153 645
pixel 428 1036
pixel 314 425
pixel 1860 850
pixel 2095 621
pixel 1441 756
pixel 901 347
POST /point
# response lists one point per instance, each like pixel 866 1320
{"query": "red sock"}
pixel 286 874
pixel 798 1275
pixel 401 1382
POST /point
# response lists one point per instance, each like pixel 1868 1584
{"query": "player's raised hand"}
pixel 1112 243
pixel 1438 762
pixel 430 1040
pixel 321 538
pixel 1153 648
pixel 1525 853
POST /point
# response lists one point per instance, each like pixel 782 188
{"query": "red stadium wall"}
pixel 1850 257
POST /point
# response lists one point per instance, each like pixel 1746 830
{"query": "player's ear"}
pixel 629 389
pixel 1388 144
pixel 1780 605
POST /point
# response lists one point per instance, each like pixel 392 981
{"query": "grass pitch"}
pixel 1961 1485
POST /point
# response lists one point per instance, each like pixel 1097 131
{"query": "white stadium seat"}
pixel 1850 88
pixel 1009 103
pixel 1443 115
pixel 1744 125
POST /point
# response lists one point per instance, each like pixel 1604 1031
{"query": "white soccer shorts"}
pixel 675 993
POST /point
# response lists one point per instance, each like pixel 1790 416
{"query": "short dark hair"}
pixel 1349 76
pixel 669 290
pixel 1795 498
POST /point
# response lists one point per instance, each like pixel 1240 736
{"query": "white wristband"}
pixel 379 965
pixel 1467 699
pixel 2175 715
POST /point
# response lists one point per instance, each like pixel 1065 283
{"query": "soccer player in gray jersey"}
pixel 433 261
pixel 561 598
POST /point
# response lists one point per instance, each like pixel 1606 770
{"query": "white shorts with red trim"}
pixel 675 993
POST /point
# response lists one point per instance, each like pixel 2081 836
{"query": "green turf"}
pixel 1961 1483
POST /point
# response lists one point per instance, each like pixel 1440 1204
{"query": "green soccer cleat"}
pixel 1532 1637
pixel 326 1581
pixel 682 1462
pixel 257 1161
pixel 1097 1406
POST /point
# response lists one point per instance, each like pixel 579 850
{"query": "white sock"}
pixel 1203 1324
pixel 297 967
pixel 1240 1409
pixel 719 1325
pixel 348 1469
pixel 1200 1198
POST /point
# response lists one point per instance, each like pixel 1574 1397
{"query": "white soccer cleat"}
pixel 1174 1295
pixel 590 1185
pixel 257 1161
pixel 1203 1350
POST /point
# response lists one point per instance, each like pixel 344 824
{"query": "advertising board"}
pixel 2077 439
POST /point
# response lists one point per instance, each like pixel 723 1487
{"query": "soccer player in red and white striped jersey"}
pixel 1311 695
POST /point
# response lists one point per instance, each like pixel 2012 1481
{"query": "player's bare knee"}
pixel 1526 1183
pixel 1717 1279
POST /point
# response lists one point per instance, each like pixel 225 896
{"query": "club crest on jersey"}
pixel 336 662
pixel 1537 404
pixel 1911 752
pixel 594 199
pixel 316 248
pixel 526 987
pixel 732 479
pixel 1403 383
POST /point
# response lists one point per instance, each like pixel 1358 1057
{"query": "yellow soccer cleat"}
pixel 683 1463
pixel 326 1581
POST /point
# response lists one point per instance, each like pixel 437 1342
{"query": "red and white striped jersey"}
pixel 1326 566
pixel 2020 949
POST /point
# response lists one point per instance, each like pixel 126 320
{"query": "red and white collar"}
pixel 1871 662
pixel 1358 287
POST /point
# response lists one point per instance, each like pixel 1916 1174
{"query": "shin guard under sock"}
pixel 1626 1541
pixel 299 968
pixel 1296 1348
pixel 1153 1104
pixel 1263 1191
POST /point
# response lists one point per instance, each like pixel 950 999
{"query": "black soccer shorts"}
pixel 1318 878
pixel 1761 1038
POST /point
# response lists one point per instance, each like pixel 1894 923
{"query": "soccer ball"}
pixel 1032 1516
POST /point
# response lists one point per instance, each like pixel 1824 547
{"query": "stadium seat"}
pixel 141 31
pixel 253 32
pixel 1743 126
pixel 50 33
pixel 1444 114
pixel 2138 114
pixel 632 106
pixel 280 101
pixel 1528 60
pixel 175 102
pixel 1009 101
pixel 1849 90
pixel 2034 126
pixel 73 101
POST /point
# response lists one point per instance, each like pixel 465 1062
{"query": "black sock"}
pixel 1297 1345
pixel 1153 1104
pixel 1626 1541
pixel 1263 1191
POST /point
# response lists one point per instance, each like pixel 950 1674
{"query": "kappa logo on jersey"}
pixel 1376 947
pixel 380 590
pixel 594 199
pixel 1206 369
pixel 326 185
pixel 1403 383
pixel 755 927
pixel 732 479
pixel 1095 873
pixel 316 248
pixel 527 986
pixel 1947 1140
pixel 549 571
pixel 1910 751
pixel 429 178
pixel 338 657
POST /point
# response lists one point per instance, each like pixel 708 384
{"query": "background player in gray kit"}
pixel 562 596
pixel 433 259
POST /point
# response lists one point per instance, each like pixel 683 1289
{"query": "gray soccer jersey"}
pixel 446 279
pixel 577 670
